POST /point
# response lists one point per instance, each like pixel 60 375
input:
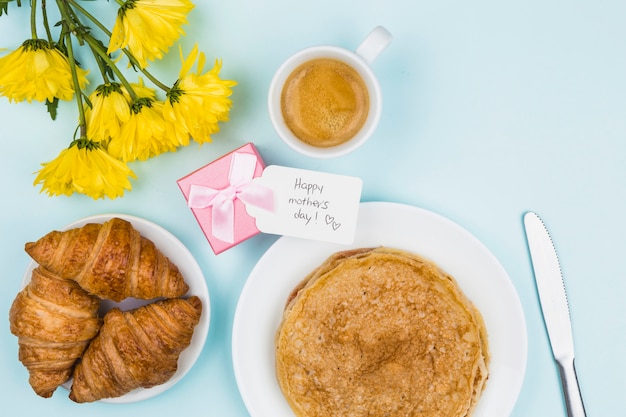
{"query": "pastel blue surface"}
pixel 490 109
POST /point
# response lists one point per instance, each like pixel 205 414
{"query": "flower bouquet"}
pixel 119 121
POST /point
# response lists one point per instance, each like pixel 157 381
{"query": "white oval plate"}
pixel 455 250
pixel 179 255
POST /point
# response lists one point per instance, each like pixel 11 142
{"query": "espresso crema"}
pixel 324 102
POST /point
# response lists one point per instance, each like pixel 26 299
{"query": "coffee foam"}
pixel 325 102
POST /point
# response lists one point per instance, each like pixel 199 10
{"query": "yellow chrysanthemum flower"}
pixel 38 71
pixel 197 101
pixel 110 109
pixel 149 27
pixel 143 135
pixel 85 168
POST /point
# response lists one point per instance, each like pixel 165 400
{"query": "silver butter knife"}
pixel 555 309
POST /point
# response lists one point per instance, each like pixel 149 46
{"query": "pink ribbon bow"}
pixel 240 187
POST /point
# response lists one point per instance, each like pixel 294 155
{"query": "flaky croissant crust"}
pixel 54 320
pixel 111 260
pixel 56 315
pixel 136 349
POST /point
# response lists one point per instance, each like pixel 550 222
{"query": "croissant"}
pixel 136 348
pixel 110 260
pixel 54 320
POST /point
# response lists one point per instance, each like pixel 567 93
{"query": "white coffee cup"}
pixel 359 60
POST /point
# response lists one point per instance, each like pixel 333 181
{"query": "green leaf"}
pixel 4 6
pixel 52 107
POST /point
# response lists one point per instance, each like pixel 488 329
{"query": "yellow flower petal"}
pixel 84 168
pixel 143 136
pixel 149 27
pixel 187 63
pixel 38 71
pixel 110 109
pixel 197 102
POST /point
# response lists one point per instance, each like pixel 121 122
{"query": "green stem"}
pixel 101 66
pixel 145 72
pixel 95 47
pixel 89 16
pixel 103 28
pixel 33 18
pixel 46 24
pixel 79 98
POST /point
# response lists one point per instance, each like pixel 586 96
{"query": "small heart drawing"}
pixel 330 220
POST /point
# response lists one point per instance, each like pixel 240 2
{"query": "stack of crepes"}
pixel 381 332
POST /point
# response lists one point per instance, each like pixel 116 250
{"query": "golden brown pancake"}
pixel 381 332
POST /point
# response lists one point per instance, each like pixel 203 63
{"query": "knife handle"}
pixel 571 389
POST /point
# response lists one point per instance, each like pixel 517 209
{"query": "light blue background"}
pixel 491 109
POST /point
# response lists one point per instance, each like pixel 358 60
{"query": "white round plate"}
pixel 171 247
pixel 455 250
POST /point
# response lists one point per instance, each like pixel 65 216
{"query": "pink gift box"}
pixel 214 195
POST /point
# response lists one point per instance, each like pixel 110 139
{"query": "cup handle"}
pixel 374 44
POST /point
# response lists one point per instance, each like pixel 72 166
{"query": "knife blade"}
pixel 555 309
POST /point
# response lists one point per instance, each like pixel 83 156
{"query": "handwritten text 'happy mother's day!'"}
pixel 311 205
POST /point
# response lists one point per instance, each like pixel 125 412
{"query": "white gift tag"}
pixel 309 204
